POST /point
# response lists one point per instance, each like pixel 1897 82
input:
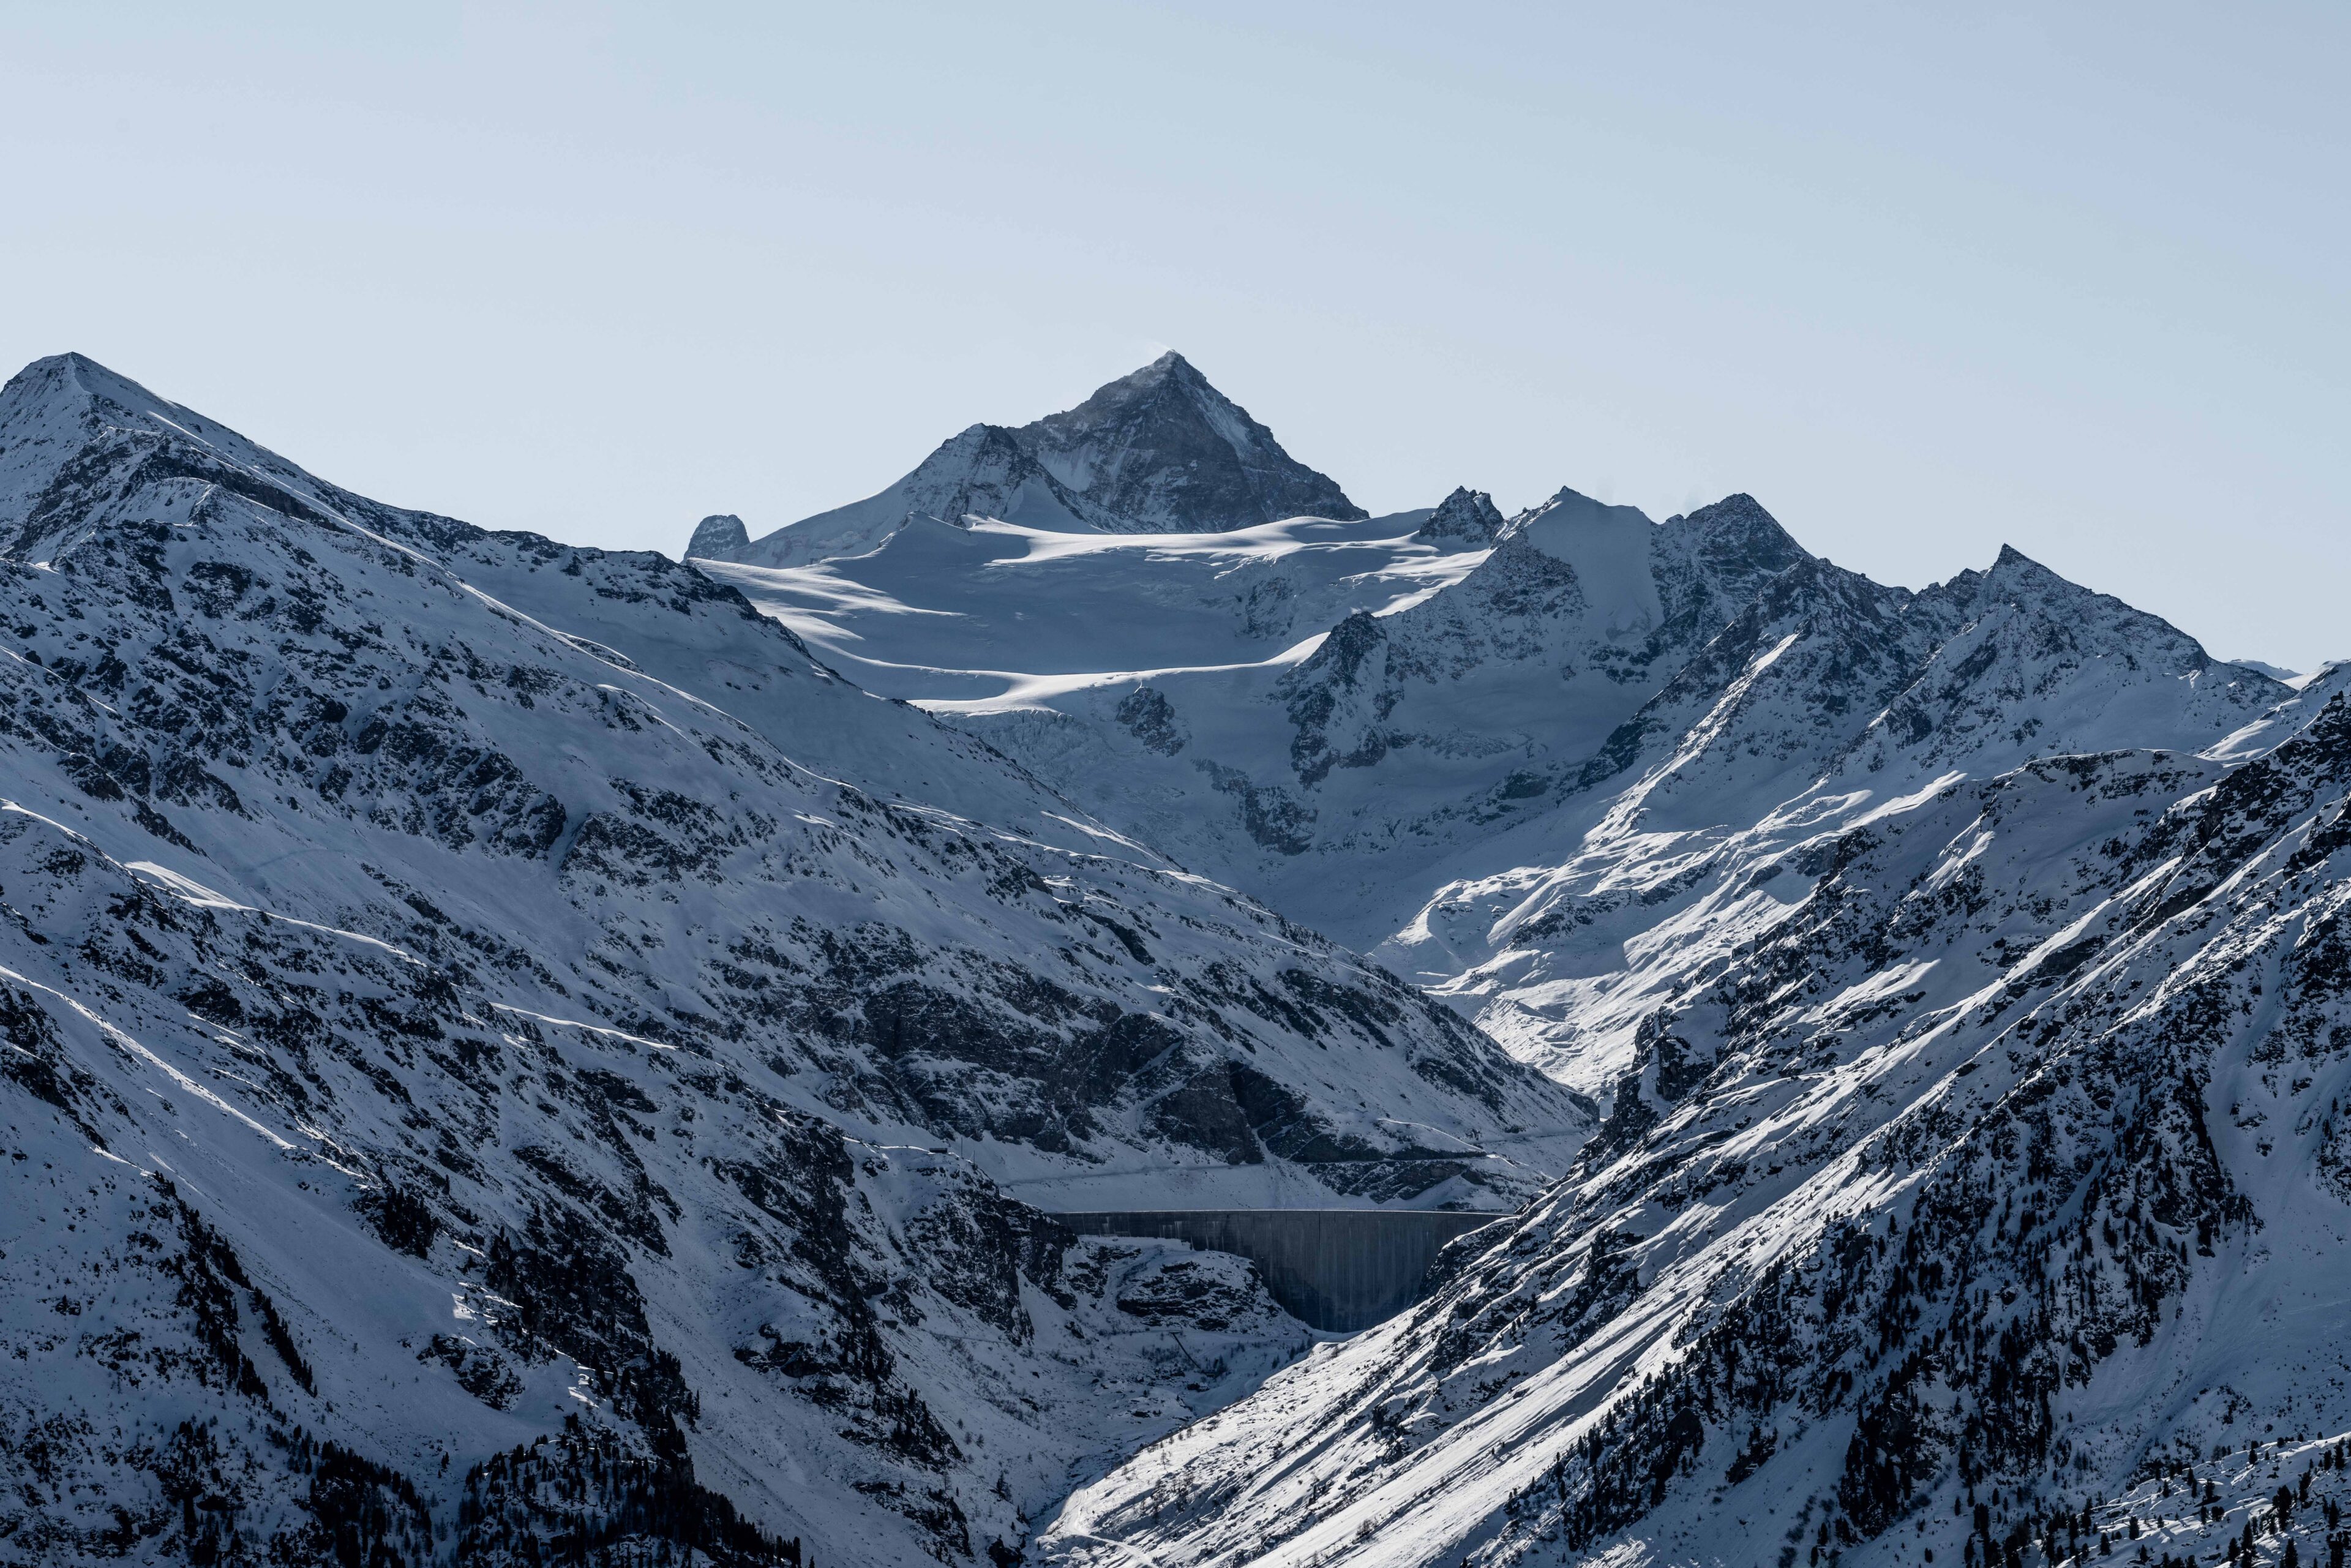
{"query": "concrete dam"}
pixel 1337 1269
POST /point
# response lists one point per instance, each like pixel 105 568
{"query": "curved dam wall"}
pixel 1337 1269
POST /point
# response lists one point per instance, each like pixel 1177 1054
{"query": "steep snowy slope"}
pixel 350 1258
pixel 1332 783
pixel 1996 1170
pixel 454 589
pixel 2311 692
pixel 1828 700
pixel 670 624
pixel 441 999
pixel 1159 451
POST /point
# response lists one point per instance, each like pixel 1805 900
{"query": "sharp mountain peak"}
pixel 1159 450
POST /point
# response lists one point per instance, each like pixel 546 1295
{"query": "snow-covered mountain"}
pixel 1960 970
pixel 1159 451
pixel 1352 720
pixel 505 1047
pixel 1503 768
pixel 1980 1194
pixel 1828 701
pixel 1323 708
pixel 517 1054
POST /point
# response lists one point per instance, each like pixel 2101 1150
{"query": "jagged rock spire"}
pixel 1466 517
pixel 717 536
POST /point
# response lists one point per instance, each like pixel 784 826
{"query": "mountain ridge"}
pixel 470 1089
pixel 515 1053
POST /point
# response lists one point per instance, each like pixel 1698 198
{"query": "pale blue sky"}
pixel 1921 279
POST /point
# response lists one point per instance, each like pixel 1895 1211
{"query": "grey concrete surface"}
pixel 1336 1269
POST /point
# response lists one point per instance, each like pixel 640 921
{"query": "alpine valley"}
pixel 520 1054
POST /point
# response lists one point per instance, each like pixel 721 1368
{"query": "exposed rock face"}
pixel 718 537
pixel 1463 518
pixel 1150 718
pixel 1165 452
pixel 1159 451
pixel 467 1084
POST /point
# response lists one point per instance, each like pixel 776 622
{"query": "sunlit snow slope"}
pixel 1987 1189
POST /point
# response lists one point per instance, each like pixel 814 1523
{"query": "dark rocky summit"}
pixel 1466 516
pixel 718 537
pixel 1163 451
pixel 1159 451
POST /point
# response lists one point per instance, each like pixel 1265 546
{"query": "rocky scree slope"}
pixel 1983 1192
pixel 461 1068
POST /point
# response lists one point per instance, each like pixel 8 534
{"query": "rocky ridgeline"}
pixel 484 1022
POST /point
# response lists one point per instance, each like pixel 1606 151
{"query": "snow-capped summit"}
pixel 2034 664
pixel 1737 530
pixel 53 406
pixel 1158 450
